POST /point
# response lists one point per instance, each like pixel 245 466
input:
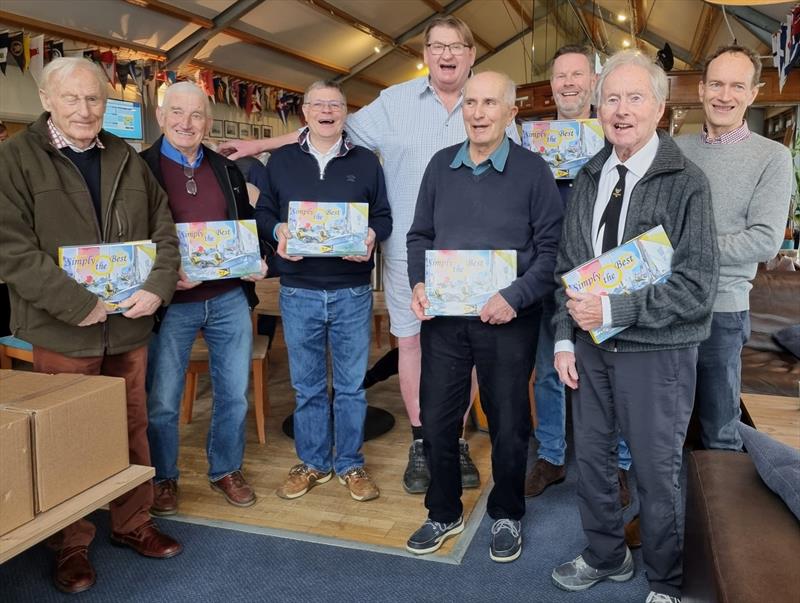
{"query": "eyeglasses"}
pixel 456 48
pixel 334 106
pixel 191 185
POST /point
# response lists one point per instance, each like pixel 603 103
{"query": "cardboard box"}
pixel 16 476
pixel 78 427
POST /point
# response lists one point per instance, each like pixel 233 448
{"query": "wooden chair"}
pixel 198 363
pixel 11 347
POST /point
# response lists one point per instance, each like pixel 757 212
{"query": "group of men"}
pixel 455 178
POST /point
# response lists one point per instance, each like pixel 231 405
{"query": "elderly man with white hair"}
pixel 65 181
pixel 202 186
pixel 643 378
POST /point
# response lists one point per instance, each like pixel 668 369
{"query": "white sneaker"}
pixel 655 597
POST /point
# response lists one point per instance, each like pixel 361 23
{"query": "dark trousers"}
pixel 503 356
pixel 719 380
pixel 132 509
pixel 650 396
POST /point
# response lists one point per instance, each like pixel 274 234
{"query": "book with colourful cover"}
pixel 113 272
pixel 566 145
pixel 327 229
pixel 642 261
pixel 219 250
pixel 460 282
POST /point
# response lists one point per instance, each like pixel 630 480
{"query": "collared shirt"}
pixel 324 158
pixel 59 141
pixel 170 152
pixel 738 135
pixel 497 159
pixel 407 124
pixel 637 165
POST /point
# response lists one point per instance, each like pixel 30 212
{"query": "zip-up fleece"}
pixel 675 193
pixel 44 204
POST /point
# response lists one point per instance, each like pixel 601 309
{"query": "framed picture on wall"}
pixel 231 129
pixel 245 130
pixel 266 131
pixel 217 129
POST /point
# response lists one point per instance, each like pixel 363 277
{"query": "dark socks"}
pixel 416 432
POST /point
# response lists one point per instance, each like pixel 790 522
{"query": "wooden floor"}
pixel 777 416
pixel 327 511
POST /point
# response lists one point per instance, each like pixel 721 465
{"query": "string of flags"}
pixel 31 52
pixel 786 45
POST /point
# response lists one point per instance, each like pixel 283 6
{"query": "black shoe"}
pixel 506 540
pixel 431 535
pixel 470 476
pixel 416 477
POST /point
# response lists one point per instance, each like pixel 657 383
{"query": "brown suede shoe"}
pixel 148 541
pixel 542 475
pixel 165 498
pixel 301 479
pixel 360 484
pixel 624 491
pixel 74 573
pixel 633 537
pixel 236 491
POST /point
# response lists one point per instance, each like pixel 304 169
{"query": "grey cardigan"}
pixel 677 313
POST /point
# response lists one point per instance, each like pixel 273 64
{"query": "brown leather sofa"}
pixel 767 368
pixel 742 542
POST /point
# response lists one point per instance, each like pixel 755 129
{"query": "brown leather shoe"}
pixel 235 489
pixel 148 541
pixel 74 573
pixel 633 537
pixel 542 475
pixel 624 491
pixel 165 498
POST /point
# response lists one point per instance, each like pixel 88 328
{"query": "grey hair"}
pixel 186 88
pixel 658 79
pixel 61 68
pixel 321 84
pixel 509 88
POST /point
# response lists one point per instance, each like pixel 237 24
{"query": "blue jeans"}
pixel 719 380
pixel 228 331
pixel 548 390
pixel 315 320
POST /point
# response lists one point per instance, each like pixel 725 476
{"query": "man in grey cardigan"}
pixel 751 180
pixel 643 379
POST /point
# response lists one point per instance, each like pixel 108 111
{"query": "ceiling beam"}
pixel 173 11
pixel 590 26
pixel 338 14
pixel 521 12
pixel 710 19
pixel 758 24
pixel 58 31
pixel 638 16
pixel 399 41
pixel 185 50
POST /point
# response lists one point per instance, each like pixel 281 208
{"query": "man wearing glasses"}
pixel 407 124
pixel 326 302
pixel 202 186
pixel 65 181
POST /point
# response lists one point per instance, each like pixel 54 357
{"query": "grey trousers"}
pixel 650 396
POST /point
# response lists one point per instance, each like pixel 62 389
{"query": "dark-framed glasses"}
pixel 456 48
pixel 191 185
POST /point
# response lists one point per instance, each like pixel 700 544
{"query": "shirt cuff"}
pixel 606 305
pixel 564 345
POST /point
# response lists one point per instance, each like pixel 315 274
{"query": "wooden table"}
pixel 48 523
pixel 777 416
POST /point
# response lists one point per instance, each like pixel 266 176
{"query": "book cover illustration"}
pixel 460 282
pixel 218 250
pixel 642 261
pixel 327 229
pixel 566 145
pixel 113 272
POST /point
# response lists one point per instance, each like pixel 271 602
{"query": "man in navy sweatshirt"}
pixel 326 301
pixel 485 193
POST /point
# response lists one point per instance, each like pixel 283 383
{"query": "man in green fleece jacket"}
pixel 64 181
pixel 751 184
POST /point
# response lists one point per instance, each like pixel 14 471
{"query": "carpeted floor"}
pixel 227 565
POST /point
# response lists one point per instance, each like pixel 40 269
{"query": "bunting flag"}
pixel 3 51
pixel 123 73
pixel 92 54
pixel 26 51
pixel 282 107
pixel 242 95
pixel 218 92
pixel 234 92
pixel 16 49
pixel 37 57
pixel 108 61
pixel 205 79
pixel 248 103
